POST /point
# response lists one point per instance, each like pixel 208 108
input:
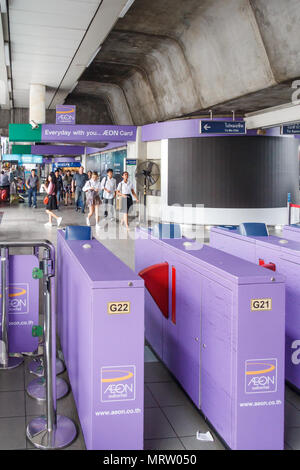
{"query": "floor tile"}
pixel 191 443
pixel 186 420
pixel 12 433
pixel 149 400
pixel 149 356
pixel 292 415
pixel 156 425
pixel 12 404
pixel 292 397
pixel 12 380
pixel 157 372
pixel 168 394
pixel 163 444
pixel 292 437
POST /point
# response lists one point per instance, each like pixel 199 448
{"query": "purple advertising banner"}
pixel 86 133
pixel 65 114
pixel 57 150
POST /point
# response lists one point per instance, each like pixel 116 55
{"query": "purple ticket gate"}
pixel 23 303
pixel 285 255
pixel 101 328
pixel 218 324
pixel 292 232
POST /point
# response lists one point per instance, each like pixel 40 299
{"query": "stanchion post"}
pixel 51 431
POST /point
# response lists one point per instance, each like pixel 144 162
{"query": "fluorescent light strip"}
pixel 9 85
pixel 3 6
pixel 93 56
pixel 126 8
pixel 7 54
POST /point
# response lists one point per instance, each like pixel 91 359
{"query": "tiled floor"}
pixel 171 420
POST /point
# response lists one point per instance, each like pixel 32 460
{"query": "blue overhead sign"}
pixel 22 159
pixel 222 127
pixel 292 129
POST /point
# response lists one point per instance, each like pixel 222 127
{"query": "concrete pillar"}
pixel 37 103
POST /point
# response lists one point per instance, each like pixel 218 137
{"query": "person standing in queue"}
pixel 50 187
pixel 79 180
pixel 92 188
pixel 125 191
pixel 59 186
pixel 67 184
pixel 32 183
pixel 109 187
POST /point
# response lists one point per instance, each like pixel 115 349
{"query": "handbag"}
pixel 46 200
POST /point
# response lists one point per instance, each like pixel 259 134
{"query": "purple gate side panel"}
pixel 23 303
pixel 260 370
pixel 118 370
pixel 217 396
pixel 75 331
pixel 286 257
pixel 230 242
pixel 291 232
pixel 182 339
pixel 154 320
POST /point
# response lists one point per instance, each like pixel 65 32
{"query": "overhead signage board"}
pixel 292 129
pixel 222 127
pixel 86 133
pixel 65 114
pixel 71 133
pixel 23 159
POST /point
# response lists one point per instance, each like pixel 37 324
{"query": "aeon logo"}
pixel 117 383
pixel 18 298
pixel 66 117
pixel 261 375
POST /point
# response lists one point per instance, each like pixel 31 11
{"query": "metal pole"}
pixel 51 431
pixel 6 362
pixel 4 303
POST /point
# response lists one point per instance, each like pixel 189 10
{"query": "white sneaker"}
pixel 88 223
pixel 59 221
pixel 48 224
pixel 112 219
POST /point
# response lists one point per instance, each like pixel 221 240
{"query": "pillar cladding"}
pixel 37 107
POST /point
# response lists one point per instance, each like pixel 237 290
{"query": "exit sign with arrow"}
pixel 222 127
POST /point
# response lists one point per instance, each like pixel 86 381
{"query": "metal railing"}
pixel 51 431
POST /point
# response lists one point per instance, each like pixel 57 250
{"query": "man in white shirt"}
pixel 125 191
pixel 109 187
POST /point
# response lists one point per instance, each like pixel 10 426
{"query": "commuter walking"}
pixel 109 187
pixel 67 184
pixel 50 187
pixel 32 184
pixel 89 174
pixel 59 187
pixel 125 191
pixel 92 188
pixel 78 182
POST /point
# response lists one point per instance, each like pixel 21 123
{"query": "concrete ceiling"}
pixel 51 43
pixel 172 58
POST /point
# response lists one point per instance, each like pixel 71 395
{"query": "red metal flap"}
pixel 156 279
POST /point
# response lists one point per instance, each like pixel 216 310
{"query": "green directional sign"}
pixel 24 133
pixel 21 149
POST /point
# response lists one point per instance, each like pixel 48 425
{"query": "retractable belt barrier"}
pixel 51 431
pixel 217 322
